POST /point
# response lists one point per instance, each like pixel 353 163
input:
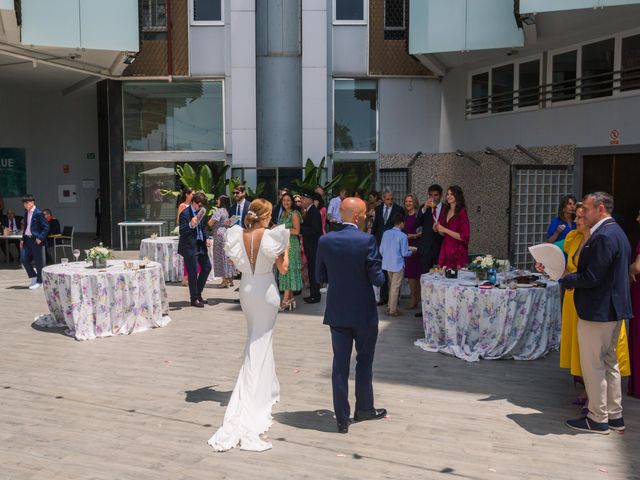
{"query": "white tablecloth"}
pixel 470 323
pixel 164 250
pixel 104 302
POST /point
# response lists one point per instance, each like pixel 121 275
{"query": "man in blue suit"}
pixel 602 299
pixel 34 238
pixel 241 207
pixel 193 245
pixel 348 260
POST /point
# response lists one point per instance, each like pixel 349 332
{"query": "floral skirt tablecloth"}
pixel 470 323
pixel 104 302
pixel 164 250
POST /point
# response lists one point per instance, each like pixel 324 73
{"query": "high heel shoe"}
pixel 291 304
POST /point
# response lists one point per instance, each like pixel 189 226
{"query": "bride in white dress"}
pixel 254 250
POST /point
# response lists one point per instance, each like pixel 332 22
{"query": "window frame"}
pixel 194 22
pixel 365 15
pixel 152 29
pixel 516 85
pixel 333 119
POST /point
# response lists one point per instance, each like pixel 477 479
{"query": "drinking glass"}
pixel 64 261
pixel 76 254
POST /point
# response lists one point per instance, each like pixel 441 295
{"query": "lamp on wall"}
pixel 130 58
pixel 414 159
pixel 526 152
pixel 460 153
pixel 492 152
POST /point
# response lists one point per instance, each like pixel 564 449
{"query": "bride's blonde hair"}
pixel 259 210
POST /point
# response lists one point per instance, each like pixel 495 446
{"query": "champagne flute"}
pixel 76 254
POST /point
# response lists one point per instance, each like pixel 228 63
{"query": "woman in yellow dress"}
pixel 569 350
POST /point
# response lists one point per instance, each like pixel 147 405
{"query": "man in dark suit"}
pixel 34 239
pixel 311 231
pixel 348 260
pixel 430 241
pixel 192 245
pixel 382 222
pixel 602 299
pixel 14 224
pixel 241 207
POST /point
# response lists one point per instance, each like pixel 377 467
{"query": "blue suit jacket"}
pixel 602 281
pixel 188 243
pixel 39 225
pixel 348 260
pixel 245 209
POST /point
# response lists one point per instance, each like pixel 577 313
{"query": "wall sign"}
pixel 614 137
pixel 13 172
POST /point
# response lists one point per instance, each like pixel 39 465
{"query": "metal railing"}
pixel 584 88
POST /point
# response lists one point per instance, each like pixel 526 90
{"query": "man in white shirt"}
pixel 333 212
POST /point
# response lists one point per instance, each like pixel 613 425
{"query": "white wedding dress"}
pixel 257 389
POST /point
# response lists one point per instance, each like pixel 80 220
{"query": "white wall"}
pixel 54 130
pixel 409 115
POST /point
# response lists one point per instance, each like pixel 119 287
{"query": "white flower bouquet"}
pixel 483 263
pixel 98 255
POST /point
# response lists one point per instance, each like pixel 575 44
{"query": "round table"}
pixel 104 302
pixel 472 323
pixel 164 250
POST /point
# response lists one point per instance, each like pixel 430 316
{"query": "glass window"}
pixel 480 93
pixel 630 65
pixel 154 15
pixel 347 10
pixel 207 10
pixel 394 19
pixel 143 184
pixel 564 76
pixel 353 173
pixel 502 88
pixel 529 84
pixel 355 112
pixel 175 116
pixel 597 69
pixel 267 184
pixel 286 177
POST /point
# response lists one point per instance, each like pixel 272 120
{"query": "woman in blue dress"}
pixel 561 225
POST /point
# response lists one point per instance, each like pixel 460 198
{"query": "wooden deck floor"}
pixel 143 406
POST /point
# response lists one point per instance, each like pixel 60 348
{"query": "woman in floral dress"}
pixel 222 267
pixel 292 280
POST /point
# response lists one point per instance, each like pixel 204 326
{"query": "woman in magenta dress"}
pixel 455 229
pixel 634 324
pixel 412 263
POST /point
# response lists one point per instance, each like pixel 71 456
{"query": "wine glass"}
pixel 76 254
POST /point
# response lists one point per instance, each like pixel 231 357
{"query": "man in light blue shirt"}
pixel 333 211
pixel 393 248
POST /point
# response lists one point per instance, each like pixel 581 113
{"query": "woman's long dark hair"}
pixel 456 191
pixel 224 203
pixel 293 203
pixel 185 191
pixel 563 203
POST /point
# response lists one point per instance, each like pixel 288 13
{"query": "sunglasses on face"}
pixel 236 193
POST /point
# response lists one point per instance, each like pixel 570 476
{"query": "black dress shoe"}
pixel 375 414
pixel 311 300
pixel 197 303
pixel 343 427
pixel 201 300
pixel 382 302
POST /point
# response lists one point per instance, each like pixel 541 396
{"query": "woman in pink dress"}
pixel 634 324
pixel 412 263
pixel 455 229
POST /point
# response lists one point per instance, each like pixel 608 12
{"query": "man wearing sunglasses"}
pixel 193 245
pixel 241 205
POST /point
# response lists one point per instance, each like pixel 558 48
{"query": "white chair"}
pixel 63 241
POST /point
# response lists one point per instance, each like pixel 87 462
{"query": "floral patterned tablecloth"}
pixel 470 323
pixel 164 250
pixel 104 302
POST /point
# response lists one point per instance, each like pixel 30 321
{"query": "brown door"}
pixel 620 176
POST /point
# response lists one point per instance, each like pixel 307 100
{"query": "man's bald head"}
pixel 352 210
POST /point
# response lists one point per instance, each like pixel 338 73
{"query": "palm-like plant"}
pixel 203 180
pixel 313 177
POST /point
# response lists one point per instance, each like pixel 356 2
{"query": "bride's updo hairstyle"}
pixel 259 210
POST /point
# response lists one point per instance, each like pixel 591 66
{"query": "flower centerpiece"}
pixel 481 266
pixel 98 256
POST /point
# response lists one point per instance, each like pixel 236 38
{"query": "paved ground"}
pixel 143 406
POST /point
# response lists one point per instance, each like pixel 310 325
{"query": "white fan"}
pixel 552 257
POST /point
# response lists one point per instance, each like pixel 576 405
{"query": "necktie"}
pixel 386 214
